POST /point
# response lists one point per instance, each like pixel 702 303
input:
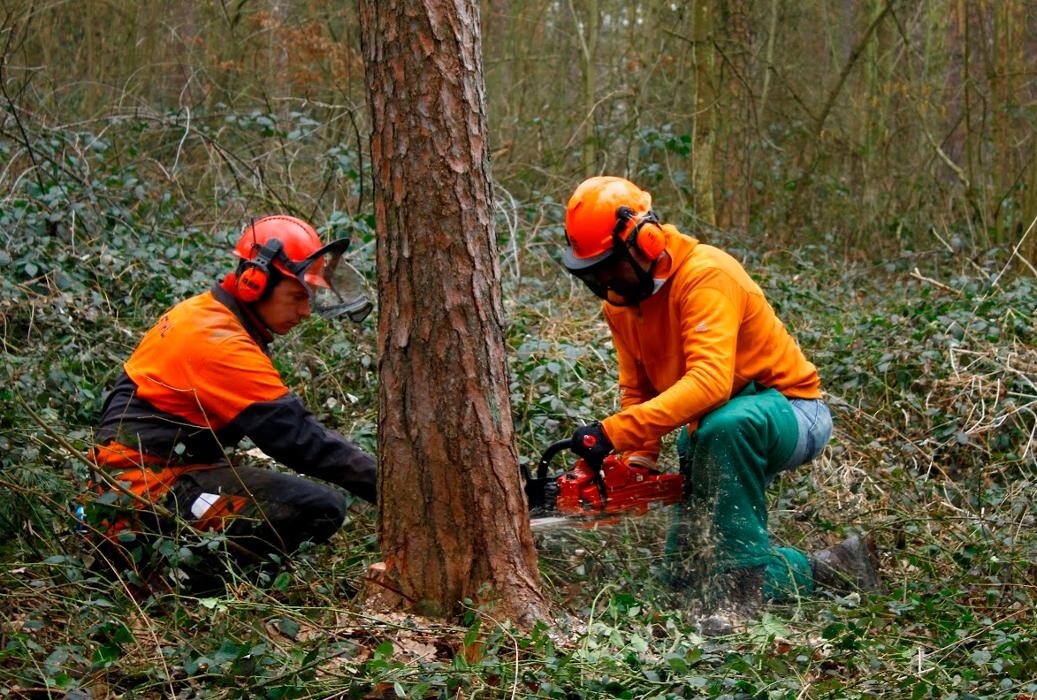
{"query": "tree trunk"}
pixel 733 211
pixel 768 63
pixel 453 527
pixel 966 87
pixel 587 22
pixel 1007 90
pixel 704 127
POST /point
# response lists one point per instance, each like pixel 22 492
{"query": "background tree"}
pixel 453 523
pixel 703 16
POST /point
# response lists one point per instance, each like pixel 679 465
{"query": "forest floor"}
pixel 928 359
pixel 932 383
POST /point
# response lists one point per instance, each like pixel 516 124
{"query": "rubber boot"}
pixel 739 599
pixel 851 565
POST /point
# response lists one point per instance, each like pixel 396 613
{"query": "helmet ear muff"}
pixel 254 275
pixel 646 237
pixel 649 238
pixel 251 282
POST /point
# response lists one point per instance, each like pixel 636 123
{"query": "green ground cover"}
pixel 929 359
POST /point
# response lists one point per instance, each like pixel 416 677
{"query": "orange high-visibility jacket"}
pixel 694 344
pixel 199 382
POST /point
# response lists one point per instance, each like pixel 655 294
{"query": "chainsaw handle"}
pixel 545 459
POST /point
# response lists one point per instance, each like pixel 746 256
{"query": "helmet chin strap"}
pixel 646 285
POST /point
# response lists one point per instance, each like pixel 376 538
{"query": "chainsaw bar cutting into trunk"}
pixel 585 496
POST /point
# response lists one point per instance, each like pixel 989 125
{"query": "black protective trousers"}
pixel 260 510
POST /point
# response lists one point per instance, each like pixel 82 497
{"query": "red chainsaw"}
pixel 619 488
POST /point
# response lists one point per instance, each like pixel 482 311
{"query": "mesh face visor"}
pixel 336 287
pixel 605 274
pixel 592 275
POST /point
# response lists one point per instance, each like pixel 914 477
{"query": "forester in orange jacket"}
pixel 201 380
pixel 700 350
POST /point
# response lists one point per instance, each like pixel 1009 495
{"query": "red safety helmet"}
pixel 293 247
pixel 607 220
pixel 290 244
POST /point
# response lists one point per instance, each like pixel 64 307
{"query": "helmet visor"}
pixel 336 288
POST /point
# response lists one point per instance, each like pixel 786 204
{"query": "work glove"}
pixel 591 443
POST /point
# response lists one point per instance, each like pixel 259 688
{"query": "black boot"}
pixel 739 599
pixel 851 565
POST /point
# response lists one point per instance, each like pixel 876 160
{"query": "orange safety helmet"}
pixel 602 210
pixel 607 220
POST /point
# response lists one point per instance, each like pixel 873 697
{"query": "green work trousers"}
pixel 727 464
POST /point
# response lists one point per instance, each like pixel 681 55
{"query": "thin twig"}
pixel 919 276
pixel 1015 254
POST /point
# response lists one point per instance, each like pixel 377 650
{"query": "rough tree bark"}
pixel 453 520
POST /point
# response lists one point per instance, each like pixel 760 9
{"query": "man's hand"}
pixel 591 443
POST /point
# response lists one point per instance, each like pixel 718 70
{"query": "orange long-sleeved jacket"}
pixel 694 344
pixel 198 383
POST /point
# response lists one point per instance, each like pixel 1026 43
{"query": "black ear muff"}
pixel 623 217
pixel 255 274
